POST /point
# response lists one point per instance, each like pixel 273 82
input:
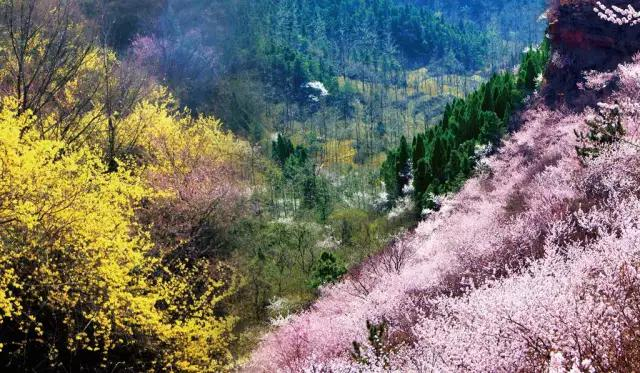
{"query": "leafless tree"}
pixel 43 50
pixel 124 84
pixel 396 256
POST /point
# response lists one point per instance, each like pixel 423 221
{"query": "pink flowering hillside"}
pixel 533 266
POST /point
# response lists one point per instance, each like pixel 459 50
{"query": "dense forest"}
pixel 180 177
pixel 441 159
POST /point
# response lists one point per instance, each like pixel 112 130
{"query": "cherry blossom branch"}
pixel 617 15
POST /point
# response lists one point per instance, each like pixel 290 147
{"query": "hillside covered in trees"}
pixel 532 265
pixel 348 185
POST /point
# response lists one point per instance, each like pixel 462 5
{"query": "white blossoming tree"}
pixel 617 15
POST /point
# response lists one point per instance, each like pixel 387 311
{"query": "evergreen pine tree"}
pixel 388 175
pixel 421 180
pixel 493 128
pixel 530 74
pixel 403 166
pixel 419 150
pixel 438 158
pixel 487 100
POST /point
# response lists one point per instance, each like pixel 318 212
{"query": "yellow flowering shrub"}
pixel 78 286
pixel 178 141
pixel 193 162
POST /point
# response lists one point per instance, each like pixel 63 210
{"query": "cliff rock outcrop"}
pixel 582 42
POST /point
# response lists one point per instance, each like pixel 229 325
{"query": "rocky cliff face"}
pixel 582 41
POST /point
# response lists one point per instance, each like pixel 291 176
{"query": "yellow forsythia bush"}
pixel 194 165
pixel 78 287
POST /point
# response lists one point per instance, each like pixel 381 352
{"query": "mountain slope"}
pixel 531 267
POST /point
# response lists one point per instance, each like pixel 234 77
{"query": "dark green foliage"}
pixel 488 99
pixel 419 148
pixel 532 65
pixel 324 202
pixel 396 170
pixel 327 270
pixel 388 173
pixel 422 179
pixel 240 107
pixel 605 129
pixel 281 150
pixel 438 156
pixel 284 44
pixel 529 80
pixel 403 166
pixel 299 171
pixel 444 155
pixel 492 128
pixel 289 70
pixel 302 41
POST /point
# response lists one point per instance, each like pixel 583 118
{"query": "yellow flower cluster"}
pixel 75 267
pixel 339 152
pixel 174 142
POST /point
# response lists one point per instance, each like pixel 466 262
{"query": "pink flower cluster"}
pixel 533 266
